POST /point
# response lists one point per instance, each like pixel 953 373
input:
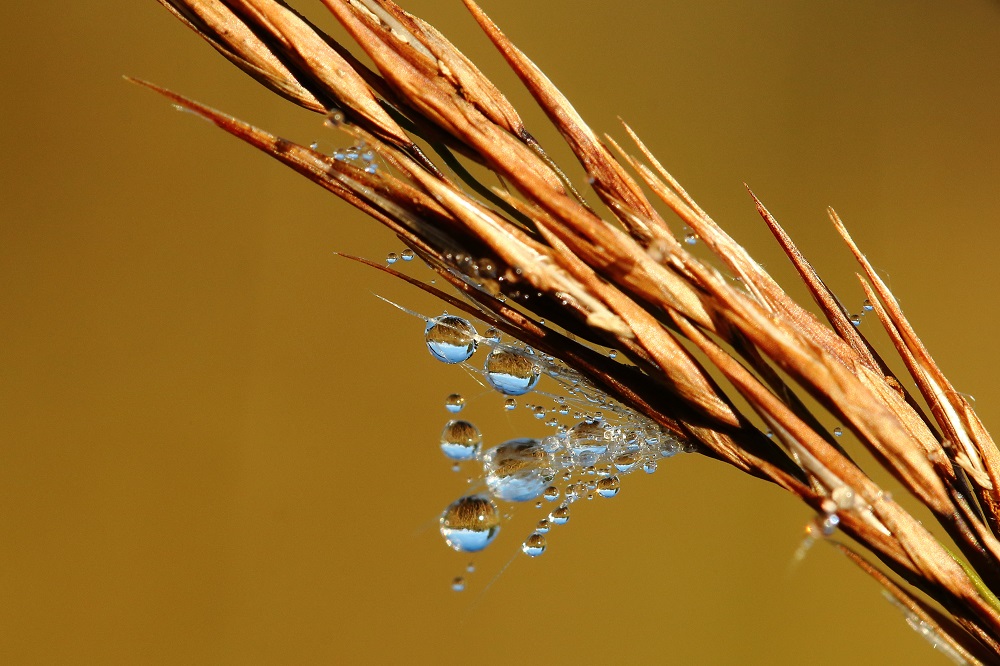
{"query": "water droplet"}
pixel 368 156
pixel 406 255
pixel 560 516
pixel 572 492
pixel 458 584
pixel 470 523
pixel 690 239
pixel 450 339
pixel 509 404
pixel 371 168
pixel 534 545
pixel 838 431
pixel 517 470
pixel 649 466
pixel 492 334
pixel 543 526
pixel 551 493
pixel 609 486
pixel 314 145
pixel 391 258
pixel 511 372
pixel 538 412
pixel 470 567
pixel 867 305
pixel 454 403
pixel 461 440
pixel 770 434
pixel 856 320
pixel 586 437
pixel 626 461
pixel 613 353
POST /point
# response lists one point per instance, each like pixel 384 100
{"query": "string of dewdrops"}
pixel 595 440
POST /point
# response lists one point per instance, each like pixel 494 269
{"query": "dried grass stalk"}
pixel 629 283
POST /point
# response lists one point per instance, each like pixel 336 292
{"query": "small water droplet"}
pixel 458 584
pixel 838 431
pixel 613 353
pixel 492 334
pixel 649 466
pixel 371 168
pixel 534 545
pixel 770 434
pixel 450 339
pixel 543 526
pixel 609 486
pixel 690 239
pixel 406 255
pixel 626 461
pixel 551 493
pixel 509 404
pixel 368 156
pixel 456 467
pixel 454 403
pixel 461 440
pixel 470 567
pixel 856 320
pixel 560 516
pixel 867 305
pixel 510 372
pixel 391 258
pixel 470 523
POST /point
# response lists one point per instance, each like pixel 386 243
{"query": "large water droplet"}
pixel 450 339
pixel 534 545
pixel 454 403
pixel 510 372
pixel 609 486
pixel 517 470
pixel 585 438
pixel 460 440
pixel 470 523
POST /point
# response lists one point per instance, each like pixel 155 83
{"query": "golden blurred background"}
pixel 218 447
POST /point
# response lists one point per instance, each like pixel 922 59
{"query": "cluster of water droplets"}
pixel 592 440
pixel 359 155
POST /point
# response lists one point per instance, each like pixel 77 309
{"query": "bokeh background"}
pixel 217 446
